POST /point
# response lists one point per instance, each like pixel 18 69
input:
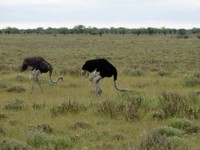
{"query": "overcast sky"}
pixel 25 14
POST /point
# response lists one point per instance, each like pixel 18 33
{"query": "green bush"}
pixel 16 89
pixel 168 131
pixel 3 116
pixel 81 125
pixel 173 104
pixel 11 144
pixel 68 107
pixel 2 131
pixel 183 124
pixel 110 108
pixel 176 143
pixel 179 123
pixel 60 143
pixel 160 139
pixel 2 85
pixel 40 140
pixel 191 81
pixel 17 104
pixel 130 107
pixel 37 139
pixel 163 73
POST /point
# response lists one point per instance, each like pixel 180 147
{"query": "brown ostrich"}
pixel 38 65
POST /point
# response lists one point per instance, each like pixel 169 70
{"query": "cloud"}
pixel 28 2
pixel 99 12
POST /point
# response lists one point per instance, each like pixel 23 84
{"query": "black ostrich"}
pixel 38 65
pixel 100 68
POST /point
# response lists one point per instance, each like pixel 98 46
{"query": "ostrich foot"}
pixel 99 91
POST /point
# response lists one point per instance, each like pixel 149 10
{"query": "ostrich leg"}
pixel 96 81
pixel 36 74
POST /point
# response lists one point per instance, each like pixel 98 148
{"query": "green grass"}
pixel 159 70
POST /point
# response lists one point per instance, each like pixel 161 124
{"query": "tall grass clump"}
pixel 59 143
pixel 173 104
pixel 12 144
pixel 37 139
pixel 2 131
pixel 68 107
pixel 3 116
pixel 134 106
pixel 17 104
pixel 2 85
pixel 129 107
pixel 40 140
pixel 16 89
pixel 111 108
pixel 191 81
pixel 163 138
pixel 183 124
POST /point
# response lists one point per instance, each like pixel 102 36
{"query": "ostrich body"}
pixel 99 69
pixel 38 65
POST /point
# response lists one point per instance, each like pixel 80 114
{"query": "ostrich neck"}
pixel 53 81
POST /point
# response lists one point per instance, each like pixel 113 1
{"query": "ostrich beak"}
pixel 83 72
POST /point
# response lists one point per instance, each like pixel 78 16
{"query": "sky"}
pixel 24 14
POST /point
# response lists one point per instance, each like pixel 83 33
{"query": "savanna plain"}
pixel 161 110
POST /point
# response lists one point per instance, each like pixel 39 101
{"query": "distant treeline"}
pixel 80 29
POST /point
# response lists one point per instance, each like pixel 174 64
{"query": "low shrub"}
pixel 17 104
pixel 38 105
pixel 159 114
pixel 130 107
pixel 173 104
pixel 111 108
pixel 37 139
pixel 16 89
pixel 179 123
pixel 2 131
pixel 44 128
pixel 160 139
pixel 176 143
pixel 60 143
pixel 2 85
pixel 168 131
pixel 191 81
pixel 3 116
pixel 81 125
pixel 40 140
pixel 183 124
pixel 134 106
pixel 68 107
pixel 12 144
pixel 163 73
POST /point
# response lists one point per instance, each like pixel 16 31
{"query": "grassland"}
pixel 162 72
